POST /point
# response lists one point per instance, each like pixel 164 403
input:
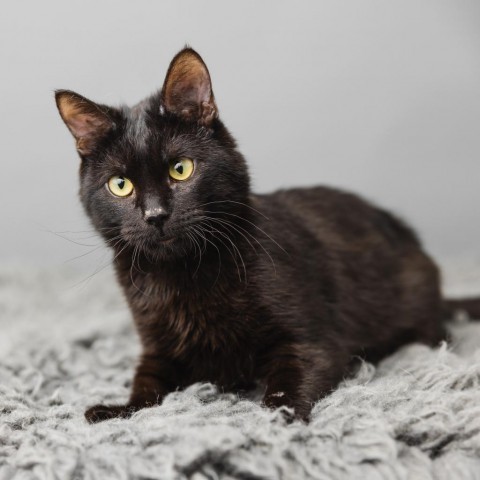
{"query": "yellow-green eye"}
pixel 120 186
pixel 181 168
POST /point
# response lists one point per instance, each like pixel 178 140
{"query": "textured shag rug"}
pixel 64 347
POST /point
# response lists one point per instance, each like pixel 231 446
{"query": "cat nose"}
pixel 155 216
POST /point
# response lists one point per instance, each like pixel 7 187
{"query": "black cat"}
pixel 230 287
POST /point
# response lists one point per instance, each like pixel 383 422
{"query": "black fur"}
pixel 228 286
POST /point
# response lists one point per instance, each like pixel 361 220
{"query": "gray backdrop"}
pixel 382 98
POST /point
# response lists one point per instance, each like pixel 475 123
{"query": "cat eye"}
pixel 181 168
pixel 120 186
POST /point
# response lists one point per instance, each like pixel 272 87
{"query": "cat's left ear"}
pixel 88 122
pixel 187 90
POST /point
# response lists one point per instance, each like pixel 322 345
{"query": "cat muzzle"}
pixel 155 216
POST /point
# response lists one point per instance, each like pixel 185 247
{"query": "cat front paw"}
pixel 301 410
pixel 100 413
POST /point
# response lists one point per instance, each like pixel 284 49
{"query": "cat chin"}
pixel 167 248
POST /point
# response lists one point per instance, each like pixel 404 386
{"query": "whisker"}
pixel 236 251
pixel 227 224
pixel 117 240
pixel 101 267
pixel 132 266
pixel 141 249
pixel 84 254
pixel 191 236
pixel 70 240
pixel 234 201
pixel 237 227
pixel 205 240
pixel 255 226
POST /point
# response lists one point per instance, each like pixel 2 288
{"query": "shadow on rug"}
pixel 64 347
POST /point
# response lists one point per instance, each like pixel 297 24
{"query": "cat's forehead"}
pixel 137 131
pixel 152 135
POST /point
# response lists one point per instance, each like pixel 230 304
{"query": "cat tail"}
pixel 462 307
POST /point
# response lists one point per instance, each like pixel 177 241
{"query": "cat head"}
pixel 152 174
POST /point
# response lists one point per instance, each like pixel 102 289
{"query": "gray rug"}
pixel 65 346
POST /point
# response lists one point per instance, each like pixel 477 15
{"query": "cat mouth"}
pixel 150 242
pixel 156 241
pixel 166 240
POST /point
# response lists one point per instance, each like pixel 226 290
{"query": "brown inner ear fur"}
pixel 86 120
pixel 187 90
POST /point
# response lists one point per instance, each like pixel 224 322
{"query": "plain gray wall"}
pixel 380 97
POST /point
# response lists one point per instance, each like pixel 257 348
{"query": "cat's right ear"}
pixel 87 121
pixel 187 90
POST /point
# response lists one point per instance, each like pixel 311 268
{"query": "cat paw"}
pixel 100 413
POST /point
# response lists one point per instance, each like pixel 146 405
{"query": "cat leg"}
pixel 155 377
pixel 298 376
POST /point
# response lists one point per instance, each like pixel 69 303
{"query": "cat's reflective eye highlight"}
pixel 181 168
pixel 120 186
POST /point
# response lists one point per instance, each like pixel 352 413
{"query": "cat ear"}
pixel 87 121
pixel 187 90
